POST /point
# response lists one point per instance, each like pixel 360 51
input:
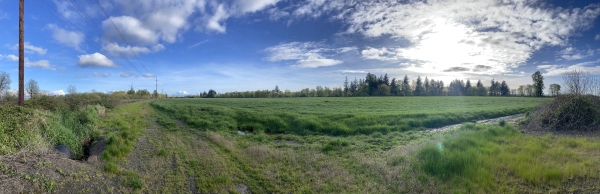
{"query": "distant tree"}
pixel 538 84
pixel 4 83
pixel 529 90
pixel 386 80
pixel 406 91
pixel 143 93
pixel 211 93
pixel 521 90
pixel 578 82
pixel 479 84
pixel 554 89
pixel 155 94
pixel 419 90
pixel 384 90
pixel 426 87
pixel 467 87
pixel 32 88
pixel 276 91
pixel 346 87
pixel 504 90
pixel 481 90
pixel 394 89
pixel 131 91
pixel 72 89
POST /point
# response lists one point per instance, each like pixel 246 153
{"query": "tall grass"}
pixel 485 158
pixel 340 116
pixel 22 127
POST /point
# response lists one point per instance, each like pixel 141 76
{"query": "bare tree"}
pixel 528 90
pixel 72 89
pixel 32 88
pixel 554 89
pixel 4 82
pixel 579 82
pixel 521 90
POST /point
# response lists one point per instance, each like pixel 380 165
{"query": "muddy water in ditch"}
pixel 494 120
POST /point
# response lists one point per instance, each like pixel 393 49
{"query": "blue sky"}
pixel 192 46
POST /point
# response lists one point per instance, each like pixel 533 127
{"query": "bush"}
pixel 569 112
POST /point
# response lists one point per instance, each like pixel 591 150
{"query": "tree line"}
pixel 373 85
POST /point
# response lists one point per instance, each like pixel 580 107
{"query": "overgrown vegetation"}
pixel 566 113
pixel 339 116
pixel 27 127
pixel 491 158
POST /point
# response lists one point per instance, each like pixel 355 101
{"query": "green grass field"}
pixel 340 116
pixel 325 145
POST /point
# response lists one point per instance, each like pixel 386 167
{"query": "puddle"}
pixel 494 120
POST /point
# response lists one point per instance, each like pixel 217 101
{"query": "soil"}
pixel 511 118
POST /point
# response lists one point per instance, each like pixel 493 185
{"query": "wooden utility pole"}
pixel 156 90
pixel 21 54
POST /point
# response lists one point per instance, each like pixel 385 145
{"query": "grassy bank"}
pixel 340 116
pixel 23 128
pixel 492 158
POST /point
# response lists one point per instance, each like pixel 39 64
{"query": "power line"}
pixel 110 56
pixel 120 34
pixel 92 23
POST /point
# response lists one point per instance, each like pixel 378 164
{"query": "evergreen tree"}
pixel 406 91
pixel 419 87
pixel 467 87
pixel 504 90
pixel 479 84
pixel 426 90
pixel 386 80
pixel 346 87
pixel 393 87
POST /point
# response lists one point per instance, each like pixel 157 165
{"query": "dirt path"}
pixel 494 120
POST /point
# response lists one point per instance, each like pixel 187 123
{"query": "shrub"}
pixel 569 112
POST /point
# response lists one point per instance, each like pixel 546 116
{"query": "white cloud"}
pixel 347 49
pixel 32 49
pixel 276 14
pixel 255 5
pixel 181 93
pixel 132 30
pixel 151 21
pixel 148 75
pixel 127 74
pixel 597 37
pixel 314 62
pixel 115 49
pixel 65 37
pixel 58 93
pixel 13 57
pixel 382 54
pixel 571 53
pixel 42 64
pixel 63 8
pixel 96 74
pixel 592 67
pixel 354 71
pixel 457 33
pixel 214 22
pixel 306 55
pixel 95 60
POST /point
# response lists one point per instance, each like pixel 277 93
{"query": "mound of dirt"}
pixel 566 113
